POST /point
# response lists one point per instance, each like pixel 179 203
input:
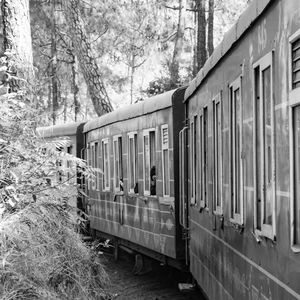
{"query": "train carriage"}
pixel 240 159
pixel 134 195
pixel 70 139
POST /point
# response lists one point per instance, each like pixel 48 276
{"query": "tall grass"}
pixel 43 257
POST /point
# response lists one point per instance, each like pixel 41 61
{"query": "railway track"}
pixel 158 284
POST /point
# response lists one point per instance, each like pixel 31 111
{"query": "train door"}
pixel 183 199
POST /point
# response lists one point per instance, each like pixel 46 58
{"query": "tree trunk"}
pixel 210 30
pixel 54 80
pixel 17 39
pixel 201 54
pixel 75 87
pixel 131 78
pixel 87 62
pixel 178 44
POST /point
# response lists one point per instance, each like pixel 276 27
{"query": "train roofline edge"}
pixel 150 105
pixel 245 21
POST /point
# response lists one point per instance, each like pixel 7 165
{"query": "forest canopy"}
pixel 92 56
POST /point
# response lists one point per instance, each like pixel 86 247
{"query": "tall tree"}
pixel 53 62
pixel 75 86
pixel 17 40
pixel 210 27
pixel 178 44
pixel 201 54
pixel 86 57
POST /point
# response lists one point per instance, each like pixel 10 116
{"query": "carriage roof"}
pixel 58 130
pixel 128 112
pixel 248 17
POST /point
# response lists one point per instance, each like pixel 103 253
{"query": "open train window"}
pixel 194 152
pixel 106 164
pixel 59 166
pixel 264 148
pixel 93 161
pixel 295 207
pixel 149 154
pixel 294 116
pixel 132 163
pixel 96 165
pixel 118 163
pixel 165 159
pixel 236 165
pixel 217 135
pixel 203 152
pixel 88 154
pixel 69 164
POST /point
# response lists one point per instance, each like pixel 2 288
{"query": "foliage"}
pixel 160 85
pixel 42 256
pixel 131 38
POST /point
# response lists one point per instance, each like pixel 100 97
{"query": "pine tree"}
pixel 86 58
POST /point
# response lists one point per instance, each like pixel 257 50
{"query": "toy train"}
pixel 208 176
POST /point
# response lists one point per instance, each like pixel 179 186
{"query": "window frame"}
pixel 165 148
pixel 146 133
pixel 69 150
pixel 97 169
pixel 117 163
pixel 218 154
pixel 201 160
pixel 294 101
pixel 192 159
pixel 237 218
pixel 266 230
pixel 204 156
pixel 132 135
pixel 105 187
pixel 89 164
pixel 92 160
pixel 183 163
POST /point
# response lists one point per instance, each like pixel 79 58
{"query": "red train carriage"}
pixel 243 169
pixel 134 196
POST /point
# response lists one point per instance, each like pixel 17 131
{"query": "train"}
pixel 207 176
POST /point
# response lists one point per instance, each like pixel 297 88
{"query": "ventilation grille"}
pixel 165 137
pixel 296 64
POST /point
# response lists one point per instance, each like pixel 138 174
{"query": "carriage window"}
pixel 196 153
pixel 149 162
pixel 200 168
pixel 192 161
pixel 296 164
pixel 165 159
pixel 203 157
pixel 132 163
pixel 106 166
pixel 96 166
pixel 118 164
pixel 59 165
pixel 236 152
pixel 89 163
pixel 264 147
pixel 69 164
pixel 218 155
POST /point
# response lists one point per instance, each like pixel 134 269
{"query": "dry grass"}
pixel 42 257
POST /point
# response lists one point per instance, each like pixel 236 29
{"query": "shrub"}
pixel 41 254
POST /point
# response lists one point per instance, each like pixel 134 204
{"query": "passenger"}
pixel 121 184
pixel 136 188
pixel 152 181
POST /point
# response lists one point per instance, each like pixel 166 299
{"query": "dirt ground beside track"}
pixel 159 284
